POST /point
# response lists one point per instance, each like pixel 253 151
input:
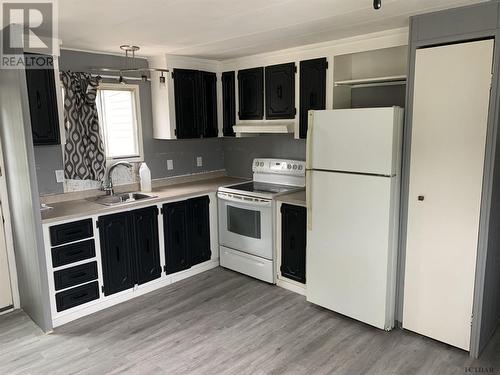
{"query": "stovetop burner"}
pixel 262 187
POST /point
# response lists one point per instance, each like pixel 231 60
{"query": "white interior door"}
pixel 5 285
pixel 450 113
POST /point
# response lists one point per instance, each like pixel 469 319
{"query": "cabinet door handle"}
pixel 80 295
pixel 147 245
pixel 312 98
pixel 292 243
pixel 38 101
pixel 78 275
pixel 279 91
pixel 117 249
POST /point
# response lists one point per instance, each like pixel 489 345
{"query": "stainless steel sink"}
pixel 113 200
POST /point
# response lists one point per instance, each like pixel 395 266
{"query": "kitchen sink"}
pixel 112 200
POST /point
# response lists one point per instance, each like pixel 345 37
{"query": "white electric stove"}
pixel 246 225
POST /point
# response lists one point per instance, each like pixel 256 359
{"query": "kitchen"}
pixel 215 203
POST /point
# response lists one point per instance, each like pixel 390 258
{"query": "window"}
pixel 119 118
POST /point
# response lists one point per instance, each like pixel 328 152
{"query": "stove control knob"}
pixel 289 166
pixel 261 163
pixel 300 167
pixel 295 166
pixel 256 163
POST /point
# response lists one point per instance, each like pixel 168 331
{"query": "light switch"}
pixel 60 175
pixel 199 161
pixel 170 165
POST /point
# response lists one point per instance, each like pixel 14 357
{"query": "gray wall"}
pixel 234 155
pixel 156 152
pixel 239 152
pixel 15 134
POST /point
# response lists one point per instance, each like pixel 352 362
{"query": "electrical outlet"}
pixel 170 165
pixel 60 176
pixel 199 161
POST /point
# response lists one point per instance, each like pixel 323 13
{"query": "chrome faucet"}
pixel 107 184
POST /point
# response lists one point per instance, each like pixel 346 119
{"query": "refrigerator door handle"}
pixel 310 117
pixel 308 198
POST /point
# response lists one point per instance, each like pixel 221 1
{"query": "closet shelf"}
pixel 376 81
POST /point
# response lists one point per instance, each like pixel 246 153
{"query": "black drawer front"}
pixel 77 296
pixel 75 275
pixel 73 253
pixel 69 232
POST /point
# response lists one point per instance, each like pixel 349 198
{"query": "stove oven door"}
pixel 245 224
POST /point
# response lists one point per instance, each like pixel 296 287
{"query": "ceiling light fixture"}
pixel 129 68
pixel 377 4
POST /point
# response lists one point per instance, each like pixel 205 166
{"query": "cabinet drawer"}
pixel 77 296
pixel 75 275
pixel 69 232
pixel 73 253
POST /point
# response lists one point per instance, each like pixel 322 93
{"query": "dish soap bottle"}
pixel 145 176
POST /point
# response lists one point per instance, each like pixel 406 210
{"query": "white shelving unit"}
pixel 370 78
pixel 375 81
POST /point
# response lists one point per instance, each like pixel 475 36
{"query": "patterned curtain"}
pixel 84 157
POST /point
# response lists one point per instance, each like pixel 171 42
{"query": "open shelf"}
pixel 376 81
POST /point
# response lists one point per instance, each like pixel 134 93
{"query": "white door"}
pixel 5 286
pixel 365 140
pixel 451 100
pixel 351 242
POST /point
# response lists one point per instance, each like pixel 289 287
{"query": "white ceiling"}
pixel 221 29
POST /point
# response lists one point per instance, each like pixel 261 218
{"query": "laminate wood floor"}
pixel 221 322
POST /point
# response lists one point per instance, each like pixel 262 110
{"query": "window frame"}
pixel 136 112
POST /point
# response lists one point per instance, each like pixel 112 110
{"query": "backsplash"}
pixel 121 176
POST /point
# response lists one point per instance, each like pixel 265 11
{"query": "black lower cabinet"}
pixel 293 242
pixel 199 230
pixel 175 230
pixel 77 296
pixel 187 233
pixel 147 248
pixel 129 249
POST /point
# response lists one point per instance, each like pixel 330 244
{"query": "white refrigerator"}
pixel 353 167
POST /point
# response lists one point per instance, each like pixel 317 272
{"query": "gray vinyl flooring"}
pixel 220 322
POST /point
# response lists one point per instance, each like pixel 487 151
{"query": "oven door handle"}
pixel 244 200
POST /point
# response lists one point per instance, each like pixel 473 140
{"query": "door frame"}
pixel 9 240
pixel 437 35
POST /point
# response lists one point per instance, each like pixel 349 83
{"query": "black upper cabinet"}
pixel 187 106
pixel 209 104
pixel 251 93
pixel 145 222
pixel 176 236
pixel 43 106
pixel 228 104
pixel 312 89
pixel 293 242
pixel 280 91
pixel 199 230
pixel 116 252
pixel 195 95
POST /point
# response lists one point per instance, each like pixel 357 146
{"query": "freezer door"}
pixel 351 245
pixel 366 140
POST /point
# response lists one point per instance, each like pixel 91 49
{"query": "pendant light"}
pixel 130 68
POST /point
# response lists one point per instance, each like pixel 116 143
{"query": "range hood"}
pixel 264 127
